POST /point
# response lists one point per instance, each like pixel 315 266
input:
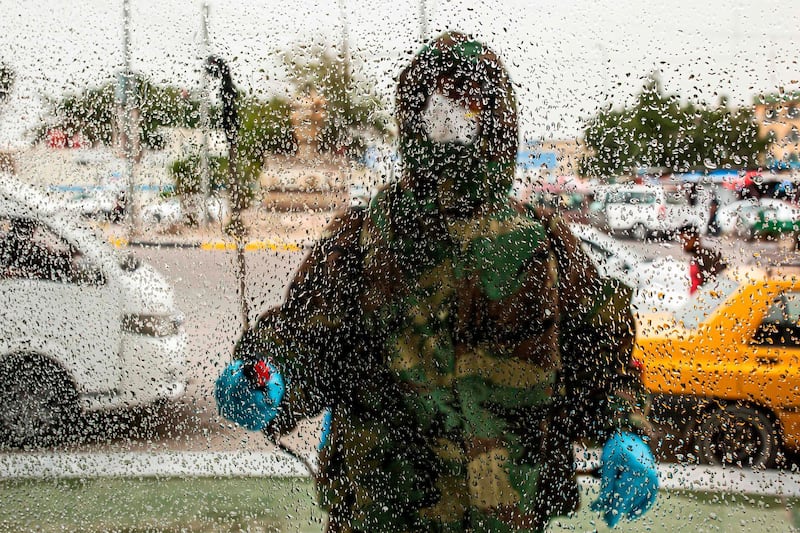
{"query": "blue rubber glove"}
pixel 629 479
pixel 326 429
pixel 252 402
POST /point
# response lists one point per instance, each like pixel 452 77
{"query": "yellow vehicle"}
pixel 727 367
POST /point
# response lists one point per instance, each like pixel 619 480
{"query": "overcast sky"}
pixel 566 57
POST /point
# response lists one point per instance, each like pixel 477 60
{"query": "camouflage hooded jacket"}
pixel 463 341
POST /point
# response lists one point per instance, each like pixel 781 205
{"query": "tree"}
pixel 659 131
pixel 265 127
pixel 90 114
pixel 93 113
pixel 353 110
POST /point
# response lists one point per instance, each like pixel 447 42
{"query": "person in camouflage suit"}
pixel 461 340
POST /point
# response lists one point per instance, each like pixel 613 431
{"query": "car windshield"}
pixel 707 299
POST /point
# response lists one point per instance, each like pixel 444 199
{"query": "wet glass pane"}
pixel 399 266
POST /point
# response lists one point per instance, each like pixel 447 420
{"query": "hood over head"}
pixel 470 167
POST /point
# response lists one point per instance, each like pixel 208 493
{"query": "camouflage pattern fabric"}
pixel 463 341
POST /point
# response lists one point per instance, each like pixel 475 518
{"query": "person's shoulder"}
pixel 549 218
pixel 344 221
pixel 529 210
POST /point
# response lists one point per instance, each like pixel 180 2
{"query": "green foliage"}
pixel 163 106
pixel 90 113
pixel 353 109
pixel 659 131
pixel 187 174
pixel 160 504
pixel 93 112
pixel 265 128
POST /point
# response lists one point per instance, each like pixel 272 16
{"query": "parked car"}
pixel 169 212
pixel 661 283
pixel 162 214
pixel 742 218
pixel 726 366
pixel 85 326
pixel 99 204
pixel 777 220
pixel 643 210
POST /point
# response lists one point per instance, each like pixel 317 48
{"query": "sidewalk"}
pixel 267 230
pixel 264 492
pixel 240 463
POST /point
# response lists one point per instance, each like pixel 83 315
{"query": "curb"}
pixel 252 246
pixel 81 465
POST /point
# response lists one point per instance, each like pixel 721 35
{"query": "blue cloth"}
pixel 239 401
pixel 629 479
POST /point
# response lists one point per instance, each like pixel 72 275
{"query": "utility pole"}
pixel 205 180
pixel 345 45
pixel 204 119
pixel 128 95
pixel 219 69
pixel 423 21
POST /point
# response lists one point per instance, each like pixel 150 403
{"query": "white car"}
pixel 85 327
pixel 659 284
pixel 162 214
pixel 99 204
pixel 166 213
pixel 642 210
pixel 738 217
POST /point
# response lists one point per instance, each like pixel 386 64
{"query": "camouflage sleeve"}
pixel 601 383
pixel 309 337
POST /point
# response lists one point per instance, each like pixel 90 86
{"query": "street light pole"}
pixel 204 119
pixel 128 95
pixel 423 21
pixel 219 69
pixel 345 44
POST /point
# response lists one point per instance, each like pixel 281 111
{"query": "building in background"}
pixel 553 157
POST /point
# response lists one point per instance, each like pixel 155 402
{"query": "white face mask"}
pixel 448 121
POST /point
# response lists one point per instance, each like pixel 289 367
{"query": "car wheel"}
pixel 38 403
pixel 639 232
pixel 737 435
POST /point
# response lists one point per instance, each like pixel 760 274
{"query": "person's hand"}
pixel 249 395
pixel 629 479
pixel 326 429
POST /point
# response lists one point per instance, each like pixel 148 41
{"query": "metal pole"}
pixel 128 92
pixel 204 120
pixel 345 44
pixel 423 21
pixel 230 124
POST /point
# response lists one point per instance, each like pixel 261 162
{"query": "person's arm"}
pixel 602 388
pixel 603 395
pixel 308 338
